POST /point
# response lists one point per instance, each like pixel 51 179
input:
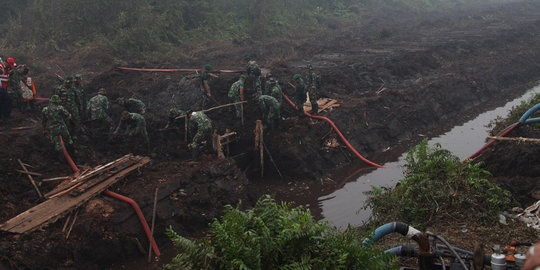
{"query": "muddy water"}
pixel 345 205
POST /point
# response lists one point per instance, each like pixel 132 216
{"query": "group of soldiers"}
pixel 68 108
pixel 13 80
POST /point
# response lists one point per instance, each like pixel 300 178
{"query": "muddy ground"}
pixel 398 78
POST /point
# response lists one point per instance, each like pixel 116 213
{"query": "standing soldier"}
pixel 69 99
pixel 312 87
pixel 200 122
pixel 274 90
pixel 236 94
pixel 54 119
pixel 132 105
pixel 299 94
pixel 254 71
pixel 134 124
pixel 205 86
pixel 98 106
pixel 81 93
pixel 270 108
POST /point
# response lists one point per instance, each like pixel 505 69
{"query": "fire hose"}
pixel 133 204
pixel 337 131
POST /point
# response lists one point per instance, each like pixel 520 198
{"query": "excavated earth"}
pixel 399 77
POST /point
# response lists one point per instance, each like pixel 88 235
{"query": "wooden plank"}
pixel 53 209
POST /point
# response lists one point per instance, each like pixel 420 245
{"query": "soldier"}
pixel 205 86
pixel 54 119
pixel 274 90
pixel 174 113
pixel 98 106
pixel 69 99
pixel 14 84
pixel 236 94
pixel 134 124
pixel 270 108
pixel 254 71
pixel 132 105
pixel 299 94
pixel 203 125
pixel 81 93
pixel 313 88
pixel 267 85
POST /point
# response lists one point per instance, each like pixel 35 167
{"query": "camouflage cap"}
pixel 309 66
pixel 247 58
pixel 296 76
pixel 54 99
pixel 102 91
pixel 208 67
pixel 243 76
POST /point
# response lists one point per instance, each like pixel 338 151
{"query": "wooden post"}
pixel 242 113
pixel 228 141
pixel 30 177
pixel 259 143
pixel 186 128
pixel 152 229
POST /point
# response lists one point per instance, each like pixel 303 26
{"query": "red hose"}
pixel 337 131
pixel 68 157
pixel 139 214
pixel 492 141
pixel 120 197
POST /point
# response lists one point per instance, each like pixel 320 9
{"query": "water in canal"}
pixel 344 206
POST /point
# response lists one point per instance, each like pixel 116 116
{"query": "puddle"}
pixel 344 207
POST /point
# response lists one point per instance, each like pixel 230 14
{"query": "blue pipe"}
pixel 389 228
pixel 524 119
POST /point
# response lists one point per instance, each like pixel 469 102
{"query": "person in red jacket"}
pixel 5 99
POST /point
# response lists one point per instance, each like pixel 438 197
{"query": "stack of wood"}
pixel 72 193
pixel 324 103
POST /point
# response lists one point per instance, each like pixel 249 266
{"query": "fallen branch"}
pixel 329 104
pixel 516 139
pixel 30 177
pixel 30 173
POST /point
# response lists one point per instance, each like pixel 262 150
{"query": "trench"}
pixel 345 206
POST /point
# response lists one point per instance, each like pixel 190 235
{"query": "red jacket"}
pixel 4 75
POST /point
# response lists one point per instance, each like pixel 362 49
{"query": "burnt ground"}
pixel 433 70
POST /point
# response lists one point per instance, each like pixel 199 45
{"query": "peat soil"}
pixel 398 77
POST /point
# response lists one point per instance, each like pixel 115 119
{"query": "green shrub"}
pixel 275 236
pixel 515 114
pixel 437 185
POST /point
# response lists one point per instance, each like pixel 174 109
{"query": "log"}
pixel 515 139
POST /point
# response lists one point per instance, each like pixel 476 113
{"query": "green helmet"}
pixel 247 58
pixel 309 66
pixel 243 76
pixel 54 99
pixel 296 76
pixel 208 67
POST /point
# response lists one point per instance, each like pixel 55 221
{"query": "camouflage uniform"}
pixel 300 96
pixel 81 93
pixel 200 122
pixel 270 107
pixel 69 99
pixel 254 71
pixel 14 87
pixel 133 105
pixel 97 112
pixel 275 91
pixel 234 96
pixel 134 124
pixel 312 81
pixel 54 118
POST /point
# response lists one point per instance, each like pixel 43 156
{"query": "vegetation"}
pixel 150 29
pixel 437 185
pixel 275 236
pixel 515 114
